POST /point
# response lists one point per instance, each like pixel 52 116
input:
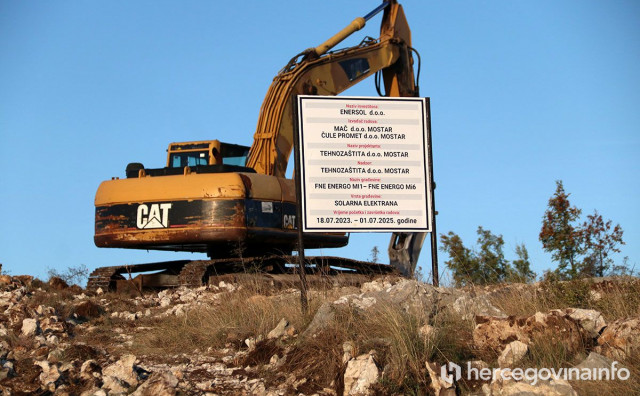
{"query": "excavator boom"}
pixel 331 74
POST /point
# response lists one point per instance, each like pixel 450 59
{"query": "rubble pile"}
pixel 56 340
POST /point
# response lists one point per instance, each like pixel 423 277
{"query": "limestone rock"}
pixel 361 373
pixel 158 384
pixel 492 334
pixel 282 329
pixel 50 373
pixel 358 301
pixel 165 302
pixel 321 319
pixel 590 320
pixel 595 361
pixel 52 325
pixel 348 348
pixel 90 369
pixel 121 376
pixel 438 384
pixel 620 339
pixel 30 327
pixel 468 307
pixel 512 354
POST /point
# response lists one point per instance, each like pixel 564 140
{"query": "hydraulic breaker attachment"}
pixel 404 250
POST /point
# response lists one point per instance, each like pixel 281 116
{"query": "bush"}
pixel 73 275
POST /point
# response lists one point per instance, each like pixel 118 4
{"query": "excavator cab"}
pixel 210 152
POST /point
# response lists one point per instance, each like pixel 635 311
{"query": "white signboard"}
pixel 364 165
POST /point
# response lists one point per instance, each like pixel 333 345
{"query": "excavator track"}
pixel 197 272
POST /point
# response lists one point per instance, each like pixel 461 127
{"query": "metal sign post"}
pixel 434 235
pixel 304 304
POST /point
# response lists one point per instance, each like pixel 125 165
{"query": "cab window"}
pixel 233 154
pixel 193 158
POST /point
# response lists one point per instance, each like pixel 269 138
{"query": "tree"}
pixel 521 271
pixel 491 256
pixel 487 264
pixel 375 254
pixel 600 240
pixel 462 262
pixel 558 234
pixel 72 276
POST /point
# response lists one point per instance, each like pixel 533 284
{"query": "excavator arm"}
pixel 319 73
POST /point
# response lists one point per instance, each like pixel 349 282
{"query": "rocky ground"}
pixel 383 336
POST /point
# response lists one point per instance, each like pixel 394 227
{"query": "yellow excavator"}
pixel 234 202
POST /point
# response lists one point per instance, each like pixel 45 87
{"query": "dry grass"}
pixel 244 314
pixel 615 299
pixel 386 328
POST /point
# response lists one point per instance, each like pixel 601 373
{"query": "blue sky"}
pixel 523 93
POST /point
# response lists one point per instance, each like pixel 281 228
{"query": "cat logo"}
pixel 289 221
pixel 153 216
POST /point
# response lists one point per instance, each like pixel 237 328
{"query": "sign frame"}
pixel 427 223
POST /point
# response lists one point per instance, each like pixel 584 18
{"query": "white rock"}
pixel 512 354
pixel 373 286
pixel 89 369
pixel 250 343
pixel 158 384
pixel 360 374
pixel 595 361
pixel 595 295
pixel 468 307
pixel 30 327
pixel 438 384
pixel 40 340
pixel 590 320
pixel 50 373
pixel 280 329
pixel 276 361
pixel 540 317
pixel 121 375
pixel 364 303
pixel 179 310
pixel 128 316
pixel 228 286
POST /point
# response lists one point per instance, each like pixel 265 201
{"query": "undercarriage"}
pixel 195 273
